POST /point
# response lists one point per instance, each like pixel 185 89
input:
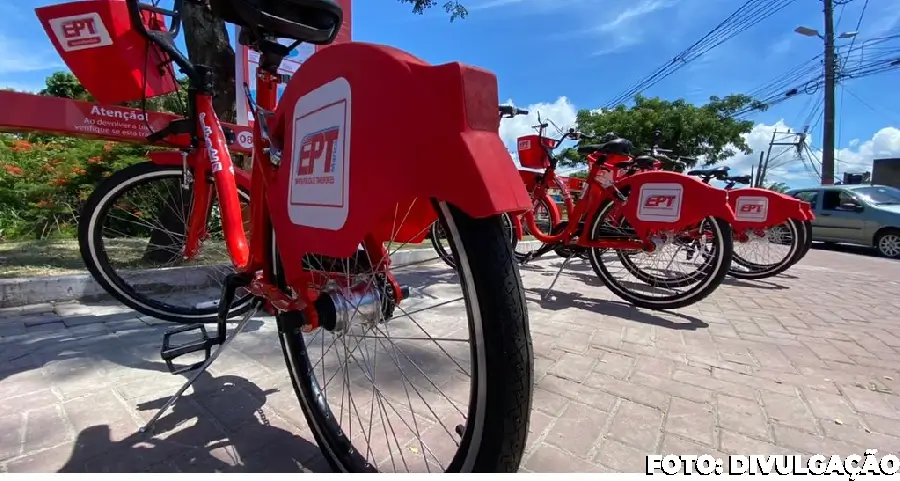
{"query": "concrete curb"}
pixel 80 287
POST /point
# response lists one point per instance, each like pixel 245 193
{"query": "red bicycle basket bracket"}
pixel 113 62
pixel 531 154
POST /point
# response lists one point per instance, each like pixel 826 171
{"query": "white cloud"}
pixel 625 17
pixel 787 167
pixel 859 156
pixel 561 112
pixel 623 30
pixel 17 57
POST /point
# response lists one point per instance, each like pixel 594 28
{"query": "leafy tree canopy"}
pixel 64 84
pixel 708 131
pixel 454 8
pixel 778 187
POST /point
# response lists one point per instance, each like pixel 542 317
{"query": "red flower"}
pixel 12 169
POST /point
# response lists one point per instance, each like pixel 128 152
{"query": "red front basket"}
pixel 531 154
pixel 112 60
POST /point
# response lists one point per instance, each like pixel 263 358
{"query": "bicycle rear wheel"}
pixel 767 256
pixel 356 424
pixel 655 290
pixel 131 235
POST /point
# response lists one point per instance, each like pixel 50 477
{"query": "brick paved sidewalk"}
pixel 803 363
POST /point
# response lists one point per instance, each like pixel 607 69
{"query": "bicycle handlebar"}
pixel 510 111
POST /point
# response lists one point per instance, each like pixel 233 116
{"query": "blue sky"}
pixel 559 56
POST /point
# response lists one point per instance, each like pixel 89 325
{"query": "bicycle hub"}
pixel 368 304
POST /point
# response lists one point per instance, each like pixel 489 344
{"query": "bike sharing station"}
pixel 320 219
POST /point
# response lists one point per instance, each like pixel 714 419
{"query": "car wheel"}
pixel 888 243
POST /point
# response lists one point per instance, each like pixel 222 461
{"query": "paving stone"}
pixel 742 416
pixel 44 428
pixel 548 459
pixel 628 390
pixel 637 425
pixel 691 420
pixel 577 429
pixel 780 366
pixel 621 457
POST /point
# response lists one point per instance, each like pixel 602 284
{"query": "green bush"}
pixel 45 180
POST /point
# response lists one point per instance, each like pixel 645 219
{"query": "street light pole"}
pixel 828 127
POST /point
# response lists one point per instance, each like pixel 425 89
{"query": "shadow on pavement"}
pixel 188 438
pixel 753 284
pixel 563 300
pixel 845 248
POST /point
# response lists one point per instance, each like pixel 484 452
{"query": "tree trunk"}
pixel 207 44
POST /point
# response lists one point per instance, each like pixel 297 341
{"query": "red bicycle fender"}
pixel 664 201
pixel 756 208
pixel 173 157
pixel 417 132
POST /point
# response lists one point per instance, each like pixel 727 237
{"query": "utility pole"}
pixel 828 124
pixel 764 165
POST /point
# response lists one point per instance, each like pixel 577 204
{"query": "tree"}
pixel 779 187
pixel 64 84
pixel 707 132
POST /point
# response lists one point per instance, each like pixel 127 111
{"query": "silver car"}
pixel 861 214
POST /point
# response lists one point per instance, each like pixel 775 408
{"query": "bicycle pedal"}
pixel 170 353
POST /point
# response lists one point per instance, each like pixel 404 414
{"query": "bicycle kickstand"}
pixel 148 428
pixel 562 267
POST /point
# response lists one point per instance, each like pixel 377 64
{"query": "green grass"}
pixel 62 257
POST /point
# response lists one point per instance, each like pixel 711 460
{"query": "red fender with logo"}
pixel 665 201
pixel 370 132
pixel 756 208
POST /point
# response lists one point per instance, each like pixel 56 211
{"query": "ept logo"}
pixel 318 148
pixel 80 32
pixel 751 209
pixel 660 201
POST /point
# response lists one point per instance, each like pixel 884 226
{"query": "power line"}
pixel 890 117
pixel 746 16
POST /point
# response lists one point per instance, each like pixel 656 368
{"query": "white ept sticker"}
pixel 660 202
pixel 319 191
pixel 80 32
pixel 525 144
pixel 751 209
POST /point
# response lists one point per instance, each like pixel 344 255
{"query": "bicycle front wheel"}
pixel 669 277
pixel 441 245
pixel 131 235
pixel 442 384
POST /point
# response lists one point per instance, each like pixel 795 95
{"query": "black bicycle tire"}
pixel 97 263
pixel 507 349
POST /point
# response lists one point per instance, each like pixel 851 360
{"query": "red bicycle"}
pixel 771 229
pixel 321 225
pixel 609 227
